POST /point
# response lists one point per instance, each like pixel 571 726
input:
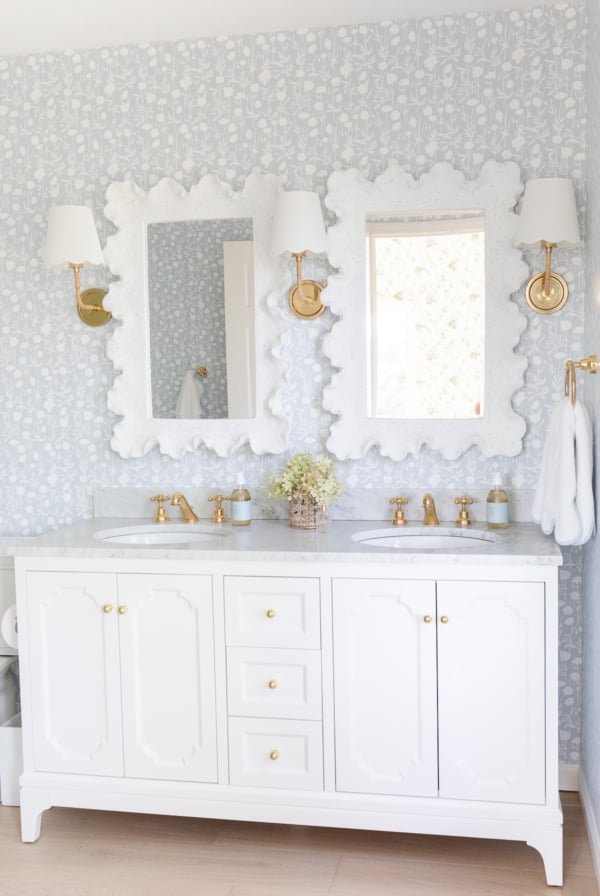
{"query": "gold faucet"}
pixel 463 514
pixel 219 514
pixel 187 512
pixel 431 517
pixel 161 513
pixel 399 518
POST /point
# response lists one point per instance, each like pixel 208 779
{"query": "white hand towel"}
pixel 189 406
pixel 564 500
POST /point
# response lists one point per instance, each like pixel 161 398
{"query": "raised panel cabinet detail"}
pixel 385 686
pixel 74 670
pixel 491 658
pixel 272 611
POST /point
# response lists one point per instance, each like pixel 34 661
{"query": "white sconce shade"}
pixel 298 228
pixel 548 219
pixel 298 224
pixel 548 214
pixel 72 238
pixel 72 242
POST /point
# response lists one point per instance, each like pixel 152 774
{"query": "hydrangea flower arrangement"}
pixel 307 477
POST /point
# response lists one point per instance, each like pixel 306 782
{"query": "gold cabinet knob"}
pixel 270 613
pixel 443 619
pixel 107 608
pixel 428 618
pixel 273 684
pixel 123 609
pixel 274 754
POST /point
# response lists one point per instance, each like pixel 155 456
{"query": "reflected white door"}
pixel 238 260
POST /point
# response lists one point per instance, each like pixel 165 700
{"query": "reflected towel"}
pixel 189 402
pixel 564 498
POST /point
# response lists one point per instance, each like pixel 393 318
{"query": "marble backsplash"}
pixel 355 503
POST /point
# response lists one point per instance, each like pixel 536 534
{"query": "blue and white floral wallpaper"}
pixel 591 578
pixel 505 85
pixel 187 308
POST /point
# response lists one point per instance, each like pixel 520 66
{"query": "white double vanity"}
pixel 295 676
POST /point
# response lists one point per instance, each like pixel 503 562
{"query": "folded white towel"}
pixel 564 498
pixel 189 401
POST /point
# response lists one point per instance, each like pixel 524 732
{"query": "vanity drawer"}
pixel 272 753
pixel 263 611
pixel 267 682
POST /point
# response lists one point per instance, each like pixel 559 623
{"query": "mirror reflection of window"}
pixel 426 316
pixel 201 302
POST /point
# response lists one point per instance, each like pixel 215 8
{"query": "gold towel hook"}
pixel 589 364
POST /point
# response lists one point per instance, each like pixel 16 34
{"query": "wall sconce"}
pixel 548 219
pixel 298 229
pixel 72 242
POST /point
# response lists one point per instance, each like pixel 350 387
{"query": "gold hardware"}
pixel 547 292
pixel 107 608
pixel 589 364
pixel 399 518
pixel 187 512
pixel 463 514
pixel 431 518
pixel 273 684
pixel 428 618
pixel 161 513
pixel 91 312
pixel 274 754
pixel 271 614
pixel 443 620
pixel 304 298
pixel 123 609
pixel 201 371
pixel 219 514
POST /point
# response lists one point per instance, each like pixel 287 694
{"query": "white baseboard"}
pixel 568 776
pixel 590 824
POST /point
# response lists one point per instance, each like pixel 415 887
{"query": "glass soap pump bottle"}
pixel 241 504
pixel 497 505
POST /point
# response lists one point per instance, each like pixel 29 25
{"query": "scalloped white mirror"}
pixel 426 269
pixel 197 352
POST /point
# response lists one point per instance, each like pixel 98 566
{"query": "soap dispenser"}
pixel 497 505
pixel 241 504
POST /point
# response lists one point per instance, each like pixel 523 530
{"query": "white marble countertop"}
pixel 275 540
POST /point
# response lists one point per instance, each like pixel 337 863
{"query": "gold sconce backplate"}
pixel 311 309
pixel 93 318
pixel 554 300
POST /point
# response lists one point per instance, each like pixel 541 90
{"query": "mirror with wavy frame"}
pixel 253 414
pixel 433 361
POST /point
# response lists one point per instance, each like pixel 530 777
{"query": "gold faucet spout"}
pixel 187 512
pixel 431 517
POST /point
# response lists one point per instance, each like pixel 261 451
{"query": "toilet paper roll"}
pixel 8 627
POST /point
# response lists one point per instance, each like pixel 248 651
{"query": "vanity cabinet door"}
pixel 384 643
pixel 73 674
pixel 168 677
pixel 491 681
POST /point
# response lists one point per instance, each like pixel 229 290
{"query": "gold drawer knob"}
pixel 443 619
pixel 428 618
pixel 274 754
pixel 270 613
pixel 123 609
pixel 273 684
pixel 107 608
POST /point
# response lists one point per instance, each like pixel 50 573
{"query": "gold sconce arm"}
pixel 304 298
pixel 92 314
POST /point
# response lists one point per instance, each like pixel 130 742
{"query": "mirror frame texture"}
pixel 130 209
pixel 352 197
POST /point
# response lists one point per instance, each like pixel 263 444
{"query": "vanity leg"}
pixel 33 804
pixel 549 844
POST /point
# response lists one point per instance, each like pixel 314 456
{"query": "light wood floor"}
pixel 85 853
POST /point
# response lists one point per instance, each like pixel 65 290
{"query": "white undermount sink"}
pixel 162 533
pixel 422 538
